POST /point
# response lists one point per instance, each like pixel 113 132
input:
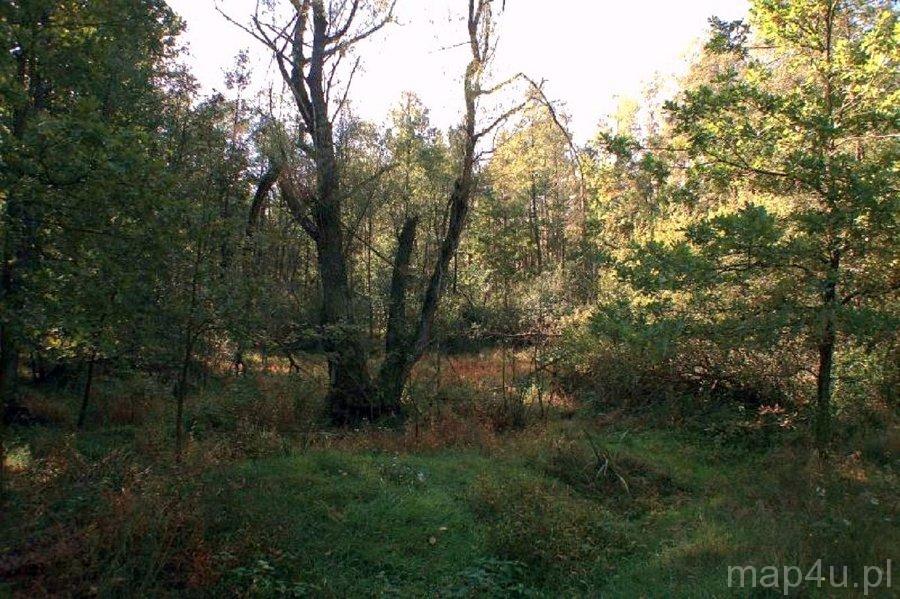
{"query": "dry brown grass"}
pixel 47 409
pixel 117 514
pixel 483 370
pixel 448 431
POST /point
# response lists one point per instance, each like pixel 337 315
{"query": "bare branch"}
pixel 369 246
pixel 263 39
pixel 539 90
pixel 343 46
pixel 502 118
pixel 343 30
pixel 502 84
pixel 343 102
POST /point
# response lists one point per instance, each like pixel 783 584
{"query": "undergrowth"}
pixel 455 502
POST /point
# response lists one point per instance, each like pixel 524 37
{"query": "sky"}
pixel 591 53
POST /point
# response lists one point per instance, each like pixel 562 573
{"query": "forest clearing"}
pixel 268 340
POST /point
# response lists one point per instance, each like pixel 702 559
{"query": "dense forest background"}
pixel 271 268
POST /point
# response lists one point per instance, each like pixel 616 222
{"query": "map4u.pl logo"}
pixel 789 578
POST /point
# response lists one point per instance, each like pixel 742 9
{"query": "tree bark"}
pixel 823 390
pixel 349 398
pixel 303 67
pixel 319 212
pixel 180 394
pixel 829 297
pixel 190 336
pixel 535 226
pixel 826 348
pixel 401 357
pixel 396 365
pixel 86 395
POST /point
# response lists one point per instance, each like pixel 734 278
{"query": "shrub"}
pixel 540 525
pixel 622 481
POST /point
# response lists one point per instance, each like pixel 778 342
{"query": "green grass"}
pixel 344 524
pixel 350 524
pixel 528 516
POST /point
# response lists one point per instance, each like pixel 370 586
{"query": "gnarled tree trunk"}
pixel 396 365
pixel 351 388
pixel 308 52
pixel 402 351
pixel 309 48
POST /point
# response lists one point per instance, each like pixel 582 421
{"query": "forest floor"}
pixel 468 498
